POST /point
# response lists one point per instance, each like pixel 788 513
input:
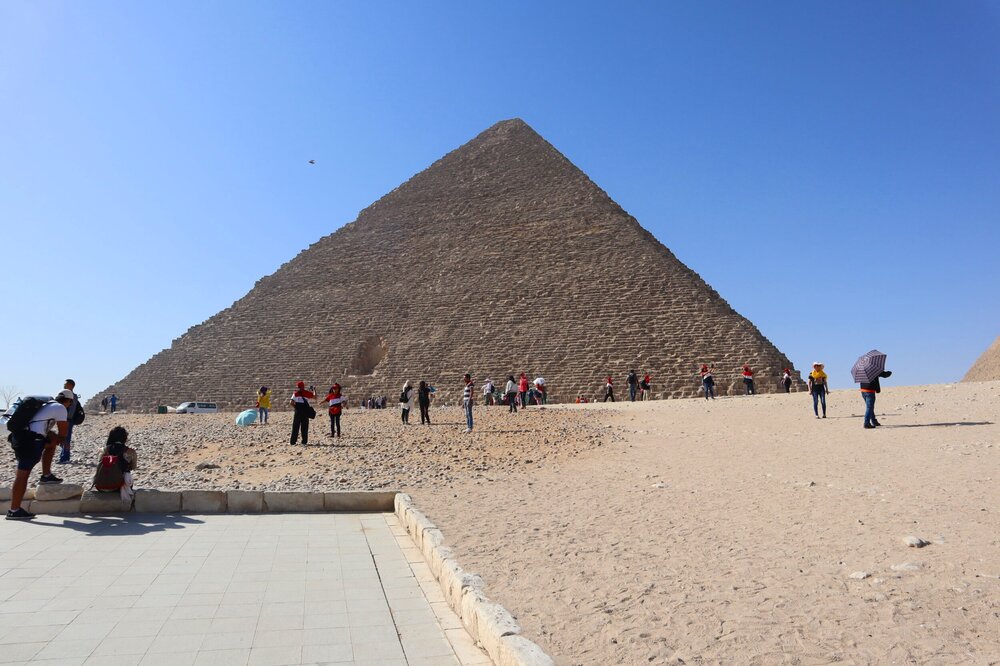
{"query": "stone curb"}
pixel 490 624
pixel 149 500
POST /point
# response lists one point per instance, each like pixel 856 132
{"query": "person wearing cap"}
pixel 786 380
pixel 748 379
pixel 300 421
pixel 70 385
pixel 336 402
pixel 818 387
pixel 45 432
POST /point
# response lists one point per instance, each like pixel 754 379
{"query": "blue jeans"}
pixel 64 453
pixel 262 411
pixel 468 414
pixel 819 396
pixel 869 399
pixel 631 392
pixel 709 390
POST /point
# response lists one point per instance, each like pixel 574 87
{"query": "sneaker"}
pixel 20 514
pixel 468 430
pixel 869 427
pixel 876 423
pixel 49 478
pixel 824 416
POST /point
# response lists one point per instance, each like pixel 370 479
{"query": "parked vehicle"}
pixel 197 408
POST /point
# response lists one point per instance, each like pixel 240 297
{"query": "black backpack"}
pixel 78 415
pixel 403 397
pixel 26 410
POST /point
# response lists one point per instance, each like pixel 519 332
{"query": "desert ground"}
pixel 741 530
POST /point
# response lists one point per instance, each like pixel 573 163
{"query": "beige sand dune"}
pixel 728 532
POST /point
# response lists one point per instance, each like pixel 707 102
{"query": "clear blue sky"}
pixel 832 169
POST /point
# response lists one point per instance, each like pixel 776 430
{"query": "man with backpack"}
pixel 75 416
pixel 31 434
pixel 303 412
pixel 633 383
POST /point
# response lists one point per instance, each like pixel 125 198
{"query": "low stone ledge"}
pixel 58 491
pixel 291 501
pixel 245 501
pixel 157 501
pixel 492 626
pixel 5 491
pixel 95 502
pixel 359 501
pixel 53 507
pixel 203 501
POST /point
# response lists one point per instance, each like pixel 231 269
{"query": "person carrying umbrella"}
pixel 866 371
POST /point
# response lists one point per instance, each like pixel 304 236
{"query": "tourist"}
pixel 818 387
pixel 336 402
pixel 467 402
pixel 488 392
pixel 522 389
pixel 786 380
pixel 510 390
pixel 748 379
pixel 42 432
pixel 609 389
pixel 113 402
pixel 406 401
pixel 104 404
pixel 868 391
pixel 114 469
pixel 645 385
pixel 303 412
pixel 707 382
pixel 540 390
pixel 424 402
pixel 632 380
pixel 71 419
pixel 263 404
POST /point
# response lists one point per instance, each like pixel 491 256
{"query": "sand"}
pixel 742 530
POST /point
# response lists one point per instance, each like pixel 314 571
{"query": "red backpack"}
pixel 109 476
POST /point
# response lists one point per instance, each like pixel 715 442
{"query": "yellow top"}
pixel 264 401
pixel 818 375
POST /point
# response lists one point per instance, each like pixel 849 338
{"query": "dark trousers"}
pixel 425 415
pixel 869 399
pixel 512 403
pixel 631 392
pixel 749 385
pixel 609 394
pixel 819 397
pixel 709 390
pixel 524 398
pixel 334 425
pixel 300 422
pixel 406 415
pixel 788 386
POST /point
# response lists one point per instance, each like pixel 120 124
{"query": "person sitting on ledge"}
pixel 114 470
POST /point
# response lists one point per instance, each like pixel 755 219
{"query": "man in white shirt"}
pixel 45 432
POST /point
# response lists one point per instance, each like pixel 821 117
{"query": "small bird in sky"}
pixel 312 161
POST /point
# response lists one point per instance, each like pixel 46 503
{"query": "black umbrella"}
pixel 868 367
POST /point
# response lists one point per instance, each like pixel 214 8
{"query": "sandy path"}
pixel 745 554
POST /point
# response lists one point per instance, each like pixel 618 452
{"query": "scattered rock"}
pixel 860 575
pixel 206 465
pixel 905 566
pixel 915 542
pixel 659 485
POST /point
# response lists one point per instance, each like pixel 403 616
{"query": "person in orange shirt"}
pixel 336 402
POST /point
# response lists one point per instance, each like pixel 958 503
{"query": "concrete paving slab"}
pixel 222 589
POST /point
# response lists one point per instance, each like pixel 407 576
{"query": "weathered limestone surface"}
pixel 245 501
pixel 353 501
pixel 52 507
pixel 203 501
pixel 987 367
pixel 157 501
pixel 95 502
pixel 502 256
pixel 58 491
pixel 293 501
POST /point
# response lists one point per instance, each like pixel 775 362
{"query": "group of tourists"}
pixel 39 426
pixel 635 385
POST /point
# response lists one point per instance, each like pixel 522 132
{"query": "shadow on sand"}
pixel 939 425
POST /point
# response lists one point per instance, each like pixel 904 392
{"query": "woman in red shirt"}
pixel 336 402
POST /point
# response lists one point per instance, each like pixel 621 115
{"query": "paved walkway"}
pixel 221 590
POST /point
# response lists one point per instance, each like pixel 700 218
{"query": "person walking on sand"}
pixel 707 382
pixel 263 404
pixel 488 389
pixel 336 402
pixel 868 392
pixel 113 402
pixel 510 390
pixel 303 412
pixel 424 402
pixel 644 387
pixel 748 379
pixel 818 387
pixel 74 416
pixel 786 380
pixel 522 389
pixel 609 389
pixel 406 401
pixel 467 401
pixel 633 383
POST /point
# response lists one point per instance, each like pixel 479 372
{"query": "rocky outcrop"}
pixel 500 257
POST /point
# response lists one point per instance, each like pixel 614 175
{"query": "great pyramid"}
pixel 987 367
pixel 502 256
